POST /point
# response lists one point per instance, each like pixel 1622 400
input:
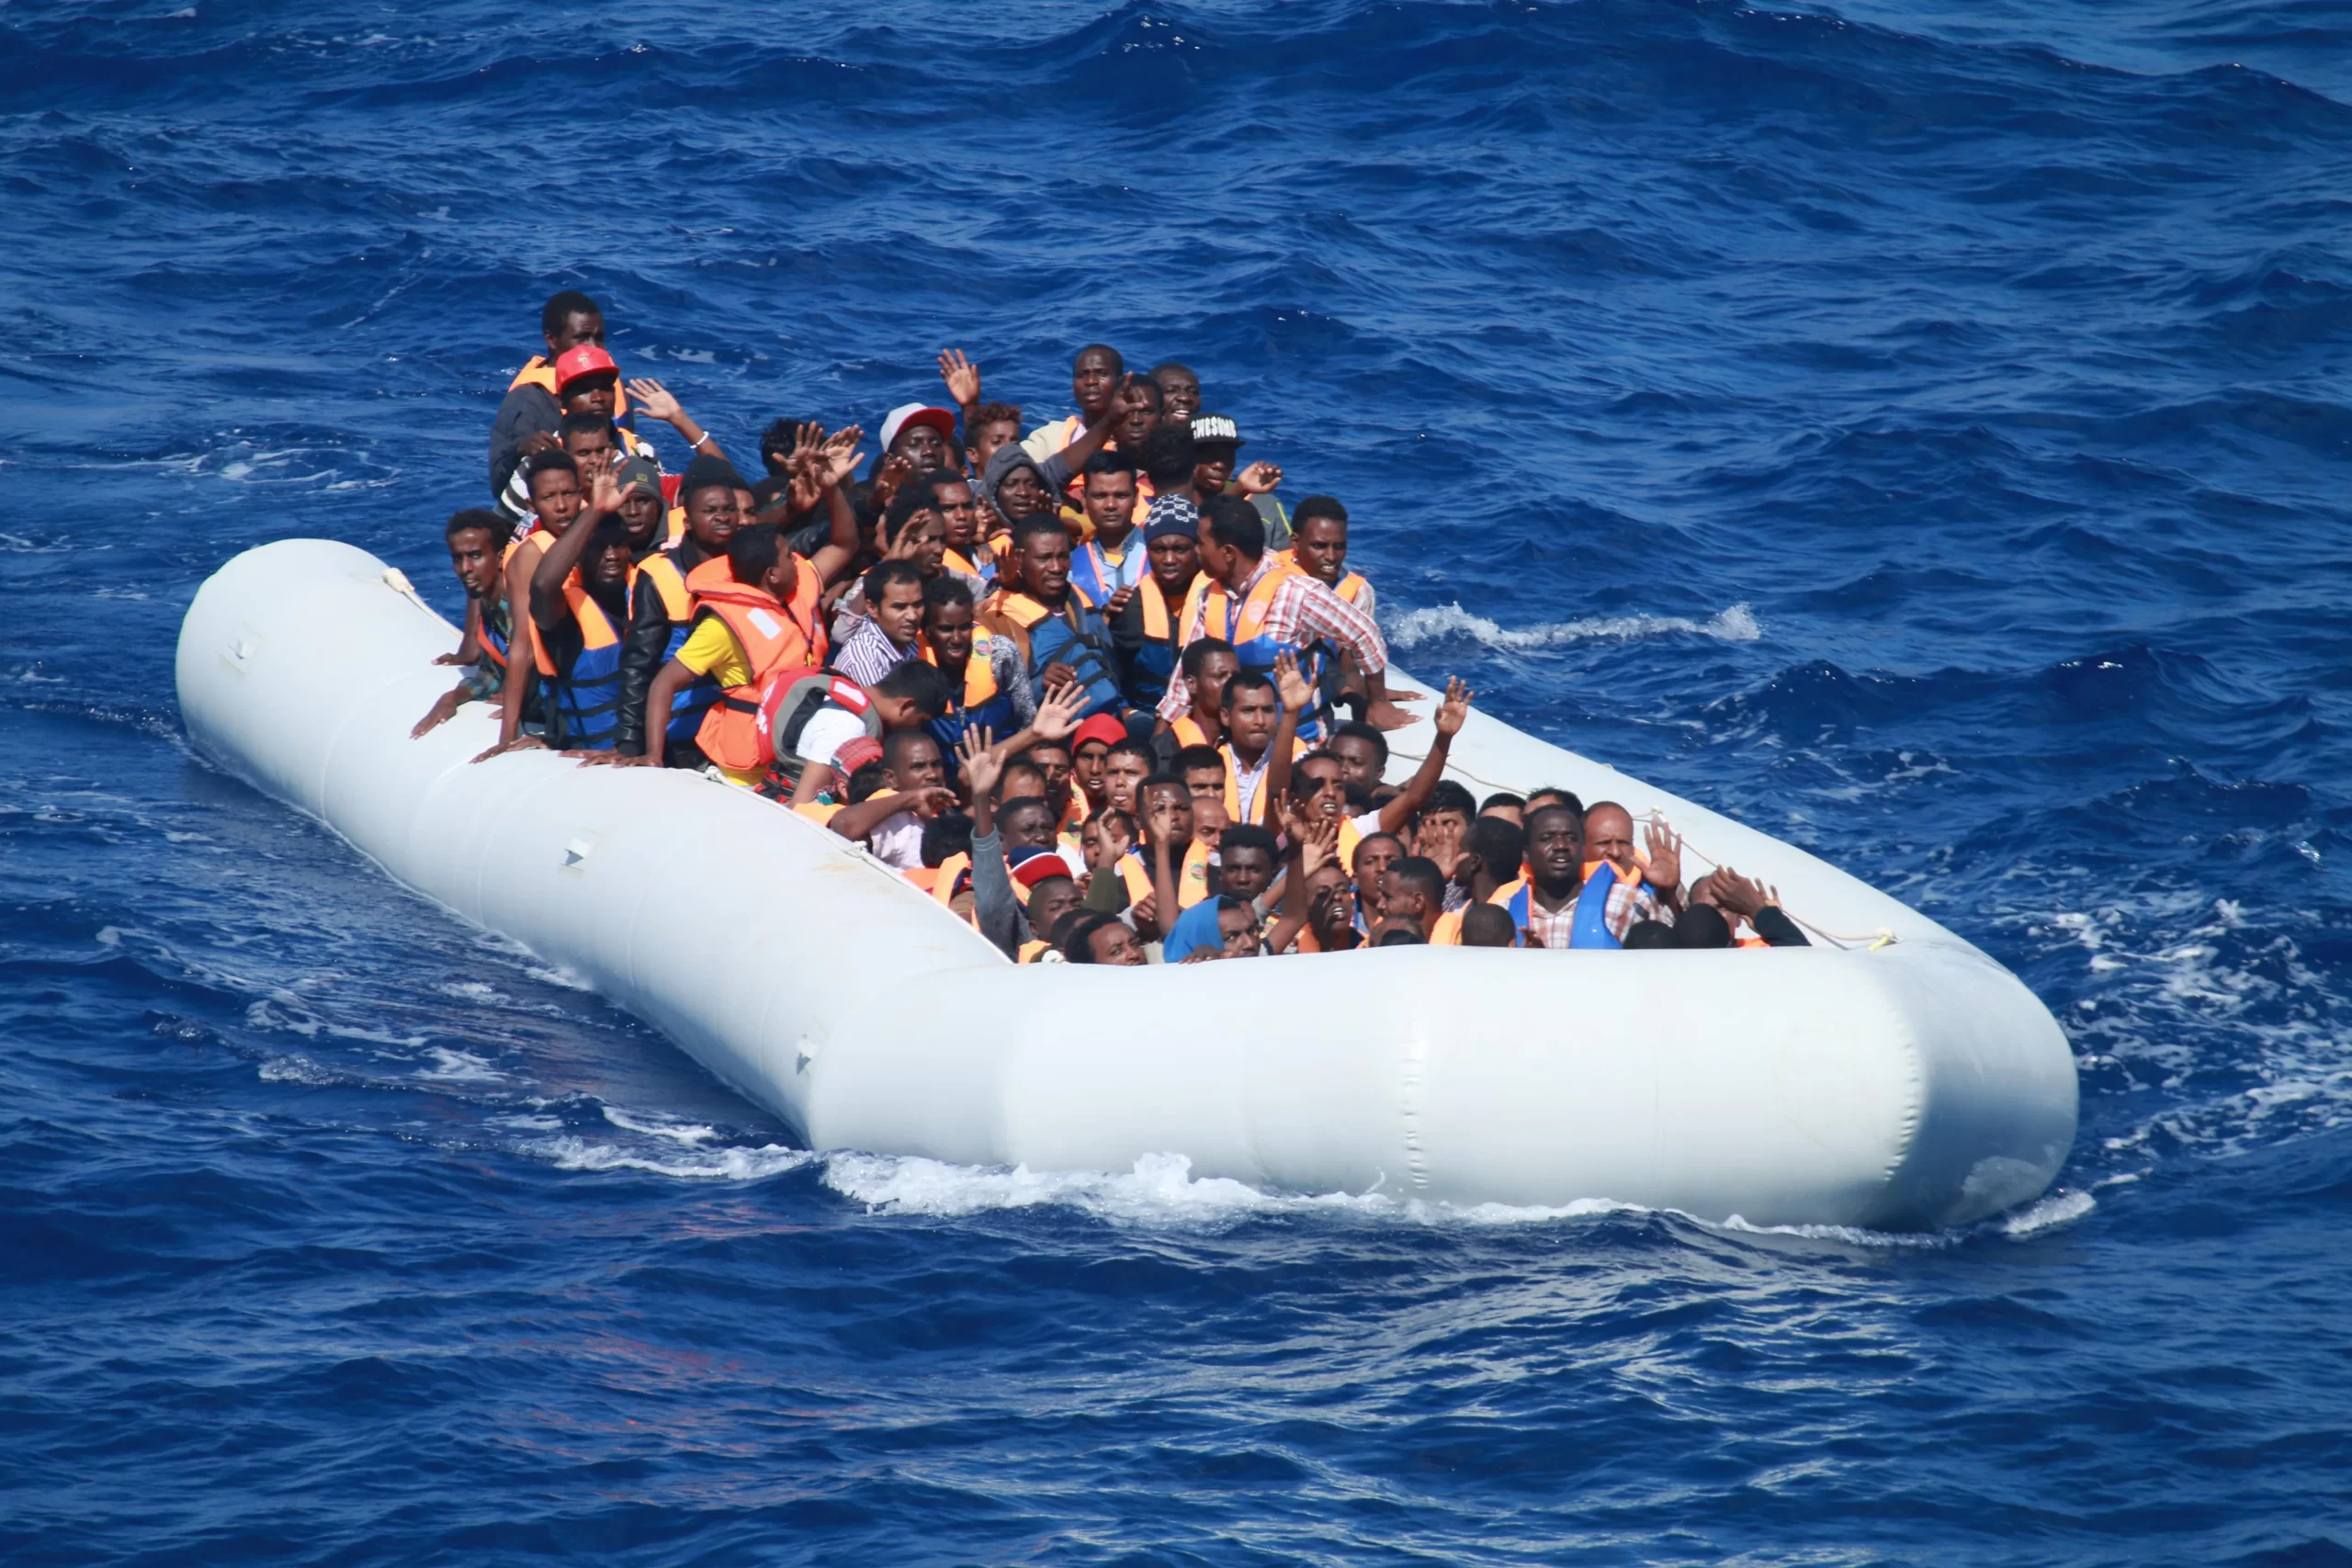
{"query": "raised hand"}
pixel 1292 686
pixel 1737 895
pixel 933 800
pixel 1116 604
pixel 840 453
pixel 1455 709
pixel 806 465
pixel 1102 852
pixel 907 546
pixel 1160 820
pixel 1257 479
pixel 895 471
pixel 962 376
pixel 1058 715
pixel 1439 840
pixel 1319 845
pixel 653 401
pixel 605 497
pixel 980 765
pixel 1665 846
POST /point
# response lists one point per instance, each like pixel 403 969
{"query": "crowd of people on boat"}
pixel 1092 685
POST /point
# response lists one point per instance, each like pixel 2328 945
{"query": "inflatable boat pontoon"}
pixel 1893 1078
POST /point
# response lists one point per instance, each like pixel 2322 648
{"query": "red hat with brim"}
pixel 1039 867
pixel 585 360
pixel 905 415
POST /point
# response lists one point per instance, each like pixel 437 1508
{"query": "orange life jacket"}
pixel 585 700
pixel 803 609
pixel 1192 877
pixel 944 880
pixel 536 541
pixel 540 373
pixel 1350 587
pixel 1233 782
pixel 733 734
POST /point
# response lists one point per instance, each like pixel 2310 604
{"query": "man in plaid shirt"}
pixel 1559 906
pixel 1302 611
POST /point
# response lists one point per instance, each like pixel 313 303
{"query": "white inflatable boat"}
pixel 1890 1075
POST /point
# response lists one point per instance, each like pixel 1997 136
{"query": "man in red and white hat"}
pixel 922 434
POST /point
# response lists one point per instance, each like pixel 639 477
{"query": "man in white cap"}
pixel 924 435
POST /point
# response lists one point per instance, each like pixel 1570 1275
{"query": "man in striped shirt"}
pixel 1302 611
pixel 888 634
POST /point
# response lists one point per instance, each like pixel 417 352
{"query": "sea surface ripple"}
pixel 1915 430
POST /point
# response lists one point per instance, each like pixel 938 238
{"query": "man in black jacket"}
pixel 662 612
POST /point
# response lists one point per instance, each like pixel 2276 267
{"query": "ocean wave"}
pixel 1416 627
pixel 728 1163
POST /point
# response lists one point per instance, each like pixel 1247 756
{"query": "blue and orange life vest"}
pixel 583 703
pixel 1209 611
pixel 1093 573
pixel 494 641
pixel 1074 636
pixel 980 563
pixel 979 705
pixel 1590 926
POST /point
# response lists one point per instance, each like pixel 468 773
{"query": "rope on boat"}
pixel 397 580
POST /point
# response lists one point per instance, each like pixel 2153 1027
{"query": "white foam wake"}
pixel 729 1164
pixel 1737 624
pixel 1161 1190
pixel 1158 1192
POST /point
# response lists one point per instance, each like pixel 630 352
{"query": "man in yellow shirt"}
pixel 757 559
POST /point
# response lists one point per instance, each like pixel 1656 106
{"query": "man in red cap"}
pixel 526 421
pixel 1090 754
pixel 588 397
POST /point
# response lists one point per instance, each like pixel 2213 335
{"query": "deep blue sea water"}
pixel 1917 429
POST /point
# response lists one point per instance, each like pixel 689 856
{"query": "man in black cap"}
pixel 1143 629
pixel 1217 445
